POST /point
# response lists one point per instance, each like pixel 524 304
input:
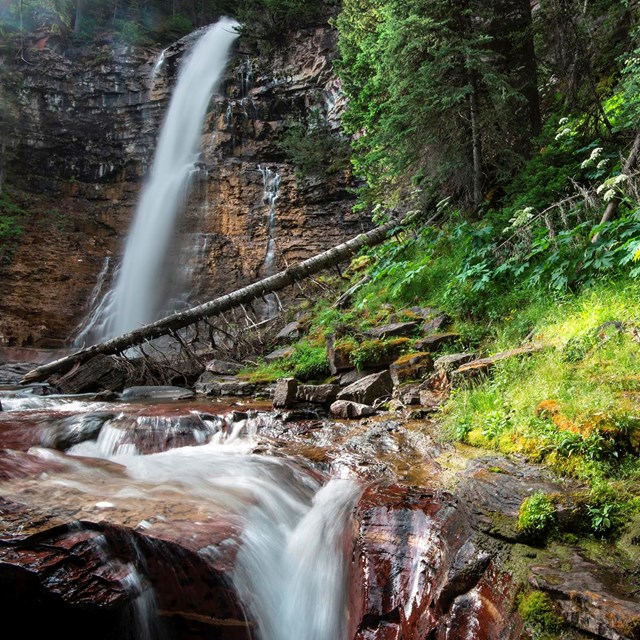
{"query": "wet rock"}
pixel 211 385
pixel 285 392
pixel 75 429
pixel 413 366
pixel 323 394
pixel 395 330
pixel 132 394
pixel 60 573
pixel 347 409
pixel 368 389
pixel 222 367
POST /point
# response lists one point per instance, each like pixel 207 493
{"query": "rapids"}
pixel 289 524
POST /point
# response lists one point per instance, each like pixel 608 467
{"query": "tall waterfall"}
pixel 142 279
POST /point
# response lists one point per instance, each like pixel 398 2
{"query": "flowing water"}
pixel 141 283
pixel 290 567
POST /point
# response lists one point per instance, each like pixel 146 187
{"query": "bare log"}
pixel 176 321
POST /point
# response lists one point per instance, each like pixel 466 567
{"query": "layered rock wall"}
pixel 82 140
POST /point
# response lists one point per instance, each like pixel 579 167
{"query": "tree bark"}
pixel 612 208
pixel 215 307
pixel 476 142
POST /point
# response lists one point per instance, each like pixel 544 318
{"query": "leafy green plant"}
pixel 309 361
pixel 537 515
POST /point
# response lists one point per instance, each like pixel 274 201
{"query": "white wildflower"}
pixel 602 164
pixel 609 195
pixel 563 121
pixel 561 134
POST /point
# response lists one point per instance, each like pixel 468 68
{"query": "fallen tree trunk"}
pixel 176 321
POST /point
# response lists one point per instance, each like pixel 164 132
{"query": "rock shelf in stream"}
pixel 146 546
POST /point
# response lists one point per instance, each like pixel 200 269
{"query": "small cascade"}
pixel 159 63
pixel 98 302
pixel 271 182
pixel 143 279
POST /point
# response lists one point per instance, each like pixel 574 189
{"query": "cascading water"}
pixel 140 287
pixel 271 183
pixel 290 537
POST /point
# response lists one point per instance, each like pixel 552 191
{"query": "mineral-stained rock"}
pixel 348 410
pixel 369 389
pixel 285 392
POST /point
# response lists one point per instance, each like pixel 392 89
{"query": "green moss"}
pixel 538 613
pixel 374 352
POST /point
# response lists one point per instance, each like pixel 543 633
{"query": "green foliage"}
pixel 309 361
pixel 423 78
pixel 537 515
pixel 265 21
pixel 538 613
pixel 313 148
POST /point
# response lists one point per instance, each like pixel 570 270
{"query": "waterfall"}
pixel 271 185
pixel 141 285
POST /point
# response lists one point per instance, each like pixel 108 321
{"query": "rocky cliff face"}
pixel 83 138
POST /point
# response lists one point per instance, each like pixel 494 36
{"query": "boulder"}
pixel 339 357
pixel 395 330
pixel 348 410
pixel 434 325
pixel 473 368
pixel 445 365
pixel 435 341
pixel 285 392
pixel 279 354
pixel 413 366
pixel 211 385
pixel 222 367
pixel 368 389
pixel 288 333
pixel 323 394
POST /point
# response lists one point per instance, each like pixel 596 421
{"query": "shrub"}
pixel 537 515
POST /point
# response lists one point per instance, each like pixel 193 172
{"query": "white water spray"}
pixel 271 182
pixel 139 291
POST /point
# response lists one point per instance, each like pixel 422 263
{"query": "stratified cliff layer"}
pixel 82 137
